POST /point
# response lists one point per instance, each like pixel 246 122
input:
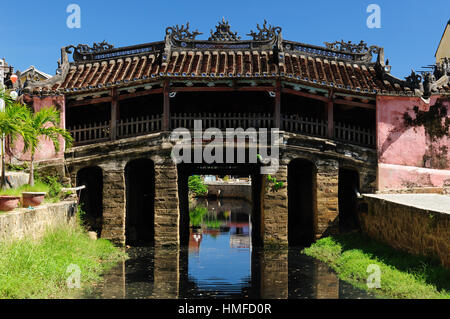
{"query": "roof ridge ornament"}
pixel 265 33
pixel 182 33
pixel 223 33
pixel 348 46
pixel 86 49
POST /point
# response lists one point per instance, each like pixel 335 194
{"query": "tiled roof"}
pixel 343 66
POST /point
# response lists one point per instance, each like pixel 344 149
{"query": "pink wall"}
pixel 46 150
pixel 402 149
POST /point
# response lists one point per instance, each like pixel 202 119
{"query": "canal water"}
pixel 220 262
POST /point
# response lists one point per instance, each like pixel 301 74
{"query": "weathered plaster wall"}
pixel 33 223
pixel 46 149
pixel 403 148
pixel 411 229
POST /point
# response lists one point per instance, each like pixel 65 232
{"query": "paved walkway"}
pixel 432 202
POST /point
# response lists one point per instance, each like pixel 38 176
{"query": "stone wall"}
pixel 411 229
pixel 33 223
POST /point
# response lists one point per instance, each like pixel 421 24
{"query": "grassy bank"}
pixel 37 269
pixel 402 275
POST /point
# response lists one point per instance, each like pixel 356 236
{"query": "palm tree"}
pixel 44 122
pixel 12 124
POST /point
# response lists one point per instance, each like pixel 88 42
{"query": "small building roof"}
pixel 442 37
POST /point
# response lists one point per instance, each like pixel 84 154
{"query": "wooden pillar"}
pixel 330 116
pixel 277 111
pixel 114 114
pixel 166 107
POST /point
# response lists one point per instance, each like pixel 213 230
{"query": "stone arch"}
pixel 140 201
pixel 91 198
pixel 301 202
pixel 348 187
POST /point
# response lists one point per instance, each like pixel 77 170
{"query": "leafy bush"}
pixel 197 186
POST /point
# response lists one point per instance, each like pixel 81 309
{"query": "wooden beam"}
pixel 140 93
pixel 222 89
pixel 73 103
pixel 114 113
pixel 166 107
pixel 277 110
pixel 304 94
pixel 354 103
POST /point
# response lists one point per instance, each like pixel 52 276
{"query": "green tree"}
pixel 196 185
pixel 13 124
pixel 45 123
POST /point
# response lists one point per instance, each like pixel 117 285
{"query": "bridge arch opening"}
pixel 301 202
pixel 140 199
pixel 348 188
pixel 231 203
pixel 91 198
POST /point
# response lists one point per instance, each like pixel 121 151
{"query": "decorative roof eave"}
pixel 83 53
pixel 329 52
pixel 267 47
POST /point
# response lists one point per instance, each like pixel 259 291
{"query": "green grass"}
pixel 38 187
pixel 402 275
pixel 37 268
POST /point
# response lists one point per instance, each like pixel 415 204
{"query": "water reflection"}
pixel 220 262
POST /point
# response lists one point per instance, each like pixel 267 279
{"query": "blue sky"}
pixel 34 31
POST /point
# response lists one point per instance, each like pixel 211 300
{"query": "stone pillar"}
pixel 114 204
pixel 327 198
pixel 274 219
pixel 167 215
pixel 274 274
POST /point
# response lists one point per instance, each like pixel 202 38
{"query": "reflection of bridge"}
pixel 274 274
pixel 240 241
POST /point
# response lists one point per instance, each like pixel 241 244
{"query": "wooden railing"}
pixel 354 134
pixel 139 125
pixel 90 133
pixel 222 120
pixel 304 125
pixel 98 132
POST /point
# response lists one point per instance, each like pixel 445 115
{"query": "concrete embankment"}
pixel 230 190
pixel 416 223
pixel 33 223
